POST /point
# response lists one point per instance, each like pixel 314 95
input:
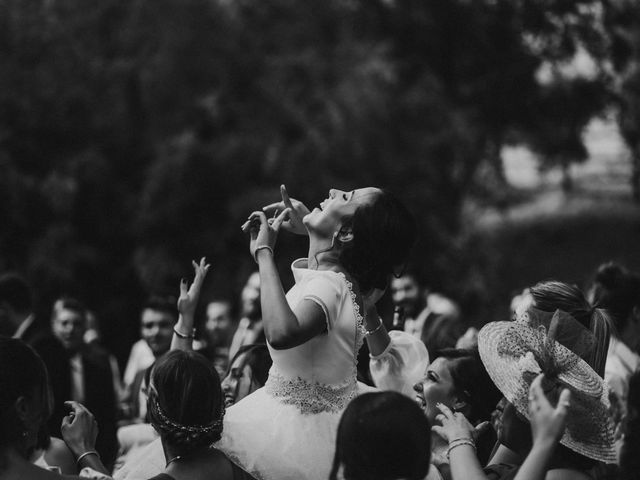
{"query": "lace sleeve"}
pixel 401 365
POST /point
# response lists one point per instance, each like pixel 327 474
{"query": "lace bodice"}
pixel 320 375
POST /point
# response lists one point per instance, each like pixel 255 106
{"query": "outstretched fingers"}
pixel 201 270
pixel 280 218
pixel 285 197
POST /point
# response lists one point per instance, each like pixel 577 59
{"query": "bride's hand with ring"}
pixel 263 234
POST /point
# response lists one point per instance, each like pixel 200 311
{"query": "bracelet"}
pixel 371 332
pixel 183 335
pixel 261 247
pixel 87 453
pixel 459 442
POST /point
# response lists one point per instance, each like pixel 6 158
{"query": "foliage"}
pixel 137 135
pixel 622 22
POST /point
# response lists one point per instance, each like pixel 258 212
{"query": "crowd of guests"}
pixel 553 392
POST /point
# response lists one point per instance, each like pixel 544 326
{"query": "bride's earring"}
pixel 333 239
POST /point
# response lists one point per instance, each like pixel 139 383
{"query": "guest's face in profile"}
pixel 69 326
pixel 156 327
pixel 239 382
pixel 436 387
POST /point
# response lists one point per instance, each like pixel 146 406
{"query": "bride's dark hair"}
pixel 383 233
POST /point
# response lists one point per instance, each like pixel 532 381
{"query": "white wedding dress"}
pixel 287 429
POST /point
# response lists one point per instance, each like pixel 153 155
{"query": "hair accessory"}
pixel 185 336
pixel 169 424
pixel 516 352
pixel 86 454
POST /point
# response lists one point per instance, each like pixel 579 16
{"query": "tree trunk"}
pixel 567 181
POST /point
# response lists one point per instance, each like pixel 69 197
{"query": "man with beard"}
pixel 218 329
pixel 157 319
pixel 250 328
pixel 429 316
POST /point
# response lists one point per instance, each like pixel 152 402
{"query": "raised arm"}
pixel 547 426
pixel 283 327
pixel 187 303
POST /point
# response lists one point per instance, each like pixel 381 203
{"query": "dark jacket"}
pixel 100 397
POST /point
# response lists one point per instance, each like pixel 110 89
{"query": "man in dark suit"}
pixel 85 375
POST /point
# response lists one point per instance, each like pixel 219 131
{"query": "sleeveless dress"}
pixel 287 429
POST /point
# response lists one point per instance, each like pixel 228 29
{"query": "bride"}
pixel 357 240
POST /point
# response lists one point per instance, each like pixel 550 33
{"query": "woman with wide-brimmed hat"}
pixel 515 354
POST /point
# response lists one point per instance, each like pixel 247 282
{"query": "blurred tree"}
pixel 568 39
pixel 622 22
pixel 564 109
pixel 137 135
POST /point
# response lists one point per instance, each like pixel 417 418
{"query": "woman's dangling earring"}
pixel 333 239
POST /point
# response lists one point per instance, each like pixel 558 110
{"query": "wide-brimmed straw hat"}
pixel 516 352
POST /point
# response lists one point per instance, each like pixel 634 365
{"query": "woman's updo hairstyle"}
pixel 185 400
pixel 381 436
pixel 553 295
pixel 383 233
pixel 618 290
pixel 22 374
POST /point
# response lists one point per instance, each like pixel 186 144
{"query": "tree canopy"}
pixel 136 135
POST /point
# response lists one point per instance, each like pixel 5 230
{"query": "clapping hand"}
pixel 547 423
pixel 188 299
pixel 297 210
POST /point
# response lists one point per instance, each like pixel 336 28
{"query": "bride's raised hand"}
pixel 189 295
pixel 263 233
pixel 297 209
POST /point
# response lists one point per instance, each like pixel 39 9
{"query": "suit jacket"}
pixel 100 397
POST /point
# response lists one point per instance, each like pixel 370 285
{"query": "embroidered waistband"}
pixel 311 397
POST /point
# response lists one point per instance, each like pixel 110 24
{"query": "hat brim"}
pixel 507 373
